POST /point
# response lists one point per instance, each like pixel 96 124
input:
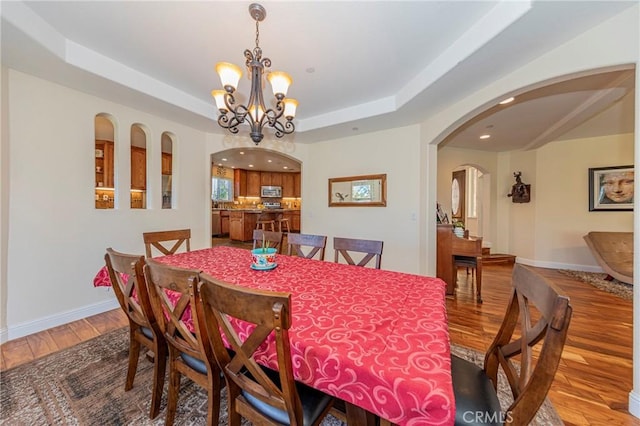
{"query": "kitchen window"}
pixel 221 189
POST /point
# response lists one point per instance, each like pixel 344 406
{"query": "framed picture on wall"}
pixel 611 188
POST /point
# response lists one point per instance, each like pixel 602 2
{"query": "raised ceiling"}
pixel 357 66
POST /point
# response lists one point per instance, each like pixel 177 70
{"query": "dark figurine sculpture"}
pixel 520 192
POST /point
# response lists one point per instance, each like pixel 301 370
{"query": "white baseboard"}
pixel 558 265
pixel 634 403
pixel 4 335
pixel 30 327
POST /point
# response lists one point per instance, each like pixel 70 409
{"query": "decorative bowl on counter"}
pixel 263 259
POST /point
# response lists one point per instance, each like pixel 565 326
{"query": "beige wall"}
pixel 396 224
pixel 56 238
pixel 4 196
pixel 562 215
pixel 547 231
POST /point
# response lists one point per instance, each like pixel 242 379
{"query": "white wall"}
pixel 57 239
pixel 389 152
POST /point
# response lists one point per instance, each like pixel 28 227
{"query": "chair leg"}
pixel 215 385
pixel 234 417
pixel 134 353
pixel 159 368
pixel 174 390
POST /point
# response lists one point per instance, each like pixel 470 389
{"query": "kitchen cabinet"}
pixel 216 223
pixel 296 185
pixel 239 183
pixel 138 168
pixel 166 163
pixel 295 221
pixel 224 222
pixel 241 225
pixel 287 185
pixel 271 178
pixel 253 184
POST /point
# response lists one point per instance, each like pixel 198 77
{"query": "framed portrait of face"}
pixel 611 188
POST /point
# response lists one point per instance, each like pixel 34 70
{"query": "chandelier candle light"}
pixel 255 113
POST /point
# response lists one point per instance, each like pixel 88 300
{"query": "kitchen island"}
pixel 242 222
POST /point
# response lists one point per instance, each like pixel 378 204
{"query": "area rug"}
pixel 84 385
pixel 598 280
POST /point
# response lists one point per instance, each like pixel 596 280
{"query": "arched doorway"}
pixel 248 181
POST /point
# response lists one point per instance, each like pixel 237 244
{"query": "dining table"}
pixel 376 339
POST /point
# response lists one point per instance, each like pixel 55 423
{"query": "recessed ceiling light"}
pixel 485 136
pixel 224 159
pixel 269 161
pixel 220 164
pixel 250 165
pixel 241 152
pixel 285 167
pixel 506 101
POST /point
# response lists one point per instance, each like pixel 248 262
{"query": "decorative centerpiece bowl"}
pixel 263 258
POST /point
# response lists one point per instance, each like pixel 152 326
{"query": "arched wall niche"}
pixel 105 161
pixel 167 148
pixel 138 190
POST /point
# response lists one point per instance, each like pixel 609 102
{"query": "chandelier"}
pixel 255 113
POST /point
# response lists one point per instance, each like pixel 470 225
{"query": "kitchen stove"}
pixel 271 205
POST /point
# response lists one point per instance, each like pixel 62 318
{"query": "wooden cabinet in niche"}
pixel 104 164
pixel 138 168
pixel 166 163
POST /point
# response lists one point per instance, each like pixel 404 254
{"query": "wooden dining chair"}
pixel 259 394
pixel 475 388
pixel 346 246
pixel 268 238
pixel 316 243
pixel 129 285
pixel 176 237
pixel 173 294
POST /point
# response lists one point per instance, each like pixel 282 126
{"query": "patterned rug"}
pixel 84 385
pixel 598 280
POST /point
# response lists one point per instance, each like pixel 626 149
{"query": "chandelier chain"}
pixel 257 34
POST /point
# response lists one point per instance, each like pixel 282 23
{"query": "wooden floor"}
pixel 592 384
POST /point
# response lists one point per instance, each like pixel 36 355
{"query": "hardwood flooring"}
pixel 592 383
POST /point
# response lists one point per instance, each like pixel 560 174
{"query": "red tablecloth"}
pixel 375 338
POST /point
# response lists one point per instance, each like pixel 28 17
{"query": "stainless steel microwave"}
pixel 271 191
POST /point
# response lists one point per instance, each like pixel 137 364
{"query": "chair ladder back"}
pixel 371 248
pixel 313 243
pixel 270 239
pixel 170 298
pixel 156 240
pixel 529 383
pixel 228 308
pixel 126 283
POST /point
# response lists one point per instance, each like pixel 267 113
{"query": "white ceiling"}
pixel 357 66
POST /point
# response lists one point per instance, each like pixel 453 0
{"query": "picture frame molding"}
pixel 381 197
pixel 595 188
